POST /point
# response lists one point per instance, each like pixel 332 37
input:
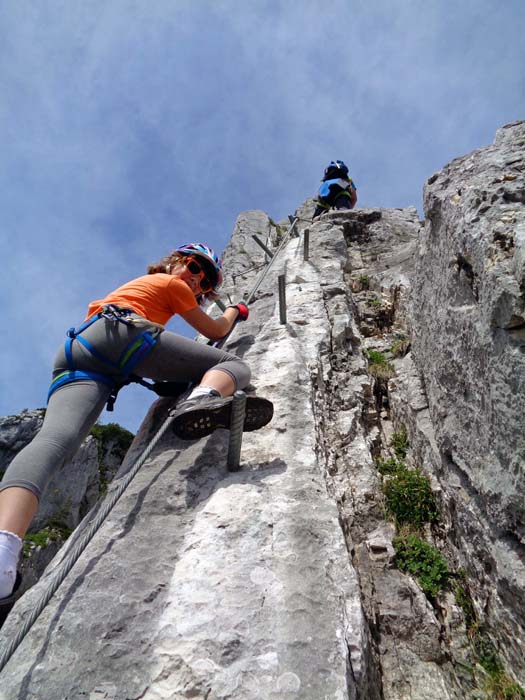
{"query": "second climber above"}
pixel 337 189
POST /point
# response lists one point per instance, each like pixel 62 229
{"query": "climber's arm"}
pixel 212 328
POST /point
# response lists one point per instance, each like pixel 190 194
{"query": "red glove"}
pixel 243 310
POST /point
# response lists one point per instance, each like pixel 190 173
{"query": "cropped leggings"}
pixel 74 408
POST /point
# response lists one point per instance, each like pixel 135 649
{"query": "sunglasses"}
pixel 196 269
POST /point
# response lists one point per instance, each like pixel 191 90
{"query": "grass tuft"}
pixel 378 365
pixel 423 561
pixel 364 282
pixel 51 533
pixel 399 443
pixel 409 498
pixel 388 467
pixel 399 347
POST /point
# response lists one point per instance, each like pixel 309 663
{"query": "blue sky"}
pixel 130 127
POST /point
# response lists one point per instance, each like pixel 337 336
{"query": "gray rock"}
pixel 469 347
pixel 77 485
pixel 71 493
pixel 16 432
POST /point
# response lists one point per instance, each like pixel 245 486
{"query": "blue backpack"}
pixel 331 189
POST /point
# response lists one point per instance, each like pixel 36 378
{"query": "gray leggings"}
pixel 74 408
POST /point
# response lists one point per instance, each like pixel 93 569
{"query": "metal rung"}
pixel 236 428
pixel 263 245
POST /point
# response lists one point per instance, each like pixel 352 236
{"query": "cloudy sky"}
pixel 129 127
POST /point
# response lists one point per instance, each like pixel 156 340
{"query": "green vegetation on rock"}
pixel 409 498
pixel 498 685
pixel 423 561
pixel 399 443
pixel 410 502
pixel 378 365
pixel 53 532
pixel 400 347
pixel 279 231
pixel 112 433
pixel 388 466
pixel 464 601
pixel 364 282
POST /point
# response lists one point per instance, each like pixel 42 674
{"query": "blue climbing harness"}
pixel 137 350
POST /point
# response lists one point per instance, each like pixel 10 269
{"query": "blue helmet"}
pixel 208 256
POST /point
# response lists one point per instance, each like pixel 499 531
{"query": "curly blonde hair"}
pixel 167 262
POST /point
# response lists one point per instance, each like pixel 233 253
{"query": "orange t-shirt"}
pixel 157 297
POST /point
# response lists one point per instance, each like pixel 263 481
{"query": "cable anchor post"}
pixel 282 299
pixel 306 251
pixel 236 428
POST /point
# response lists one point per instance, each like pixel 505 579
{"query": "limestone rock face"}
pixel 77 486
pixel 72 492
pixel 16 432
pixel 469 351
pixel 281 580
pixel 469 320
pixel 67 490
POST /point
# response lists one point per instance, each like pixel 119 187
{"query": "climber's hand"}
pixel 243 310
